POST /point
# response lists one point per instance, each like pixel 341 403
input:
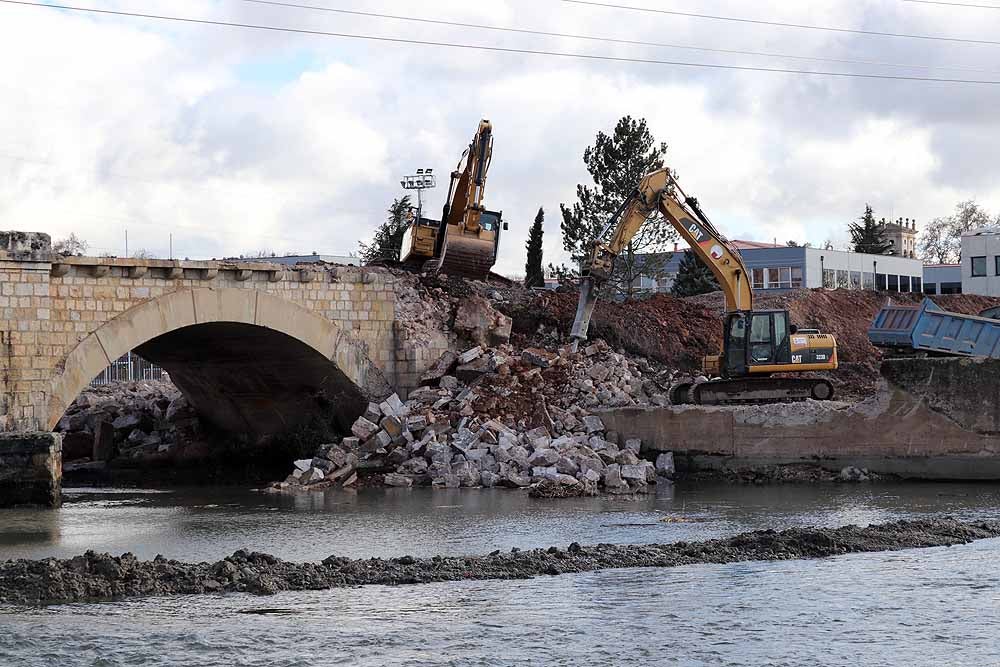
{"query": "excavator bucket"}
pixel 467 255
pixel 472 254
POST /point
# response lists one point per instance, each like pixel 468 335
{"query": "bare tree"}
pixel 941 239
pixel 71 245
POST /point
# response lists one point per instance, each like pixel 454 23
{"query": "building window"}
pixel 893 282
pixel 915 282
pixel 904 283
pixel 930 288
pixel 829 278
pixel 777 277
pixel 880 283
pixel 843 279
pixel 978 267
pixel 951 288
pixel 868 280
pixel 855 280
pixel 773 277
pixel 996 260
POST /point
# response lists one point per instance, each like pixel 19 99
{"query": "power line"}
pixel 612 40
pixel 500 49
pixel 953 4
pixel 781 24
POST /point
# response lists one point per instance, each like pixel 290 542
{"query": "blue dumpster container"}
pixel 927 328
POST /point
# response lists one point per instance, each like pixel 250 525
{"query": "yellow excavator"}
pixel 756 344
pixel 466 240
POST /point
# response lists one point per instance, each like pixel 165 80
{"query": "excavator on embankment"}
pixel 466 240
pixel 757 344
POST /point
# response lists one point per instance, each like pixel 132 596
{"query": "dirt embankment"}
pixel 100 576
pixel 678 332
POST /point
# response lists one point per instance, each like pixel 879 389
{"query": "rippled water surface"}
pixel 919 607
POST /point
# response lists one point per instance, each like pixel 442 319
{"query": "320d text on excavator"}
pixel 757 345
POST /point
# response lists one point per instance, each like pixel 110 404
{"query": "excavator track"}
pixel 751 391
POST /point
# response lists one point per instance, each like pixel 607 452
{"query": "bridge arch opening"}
pixel 247 361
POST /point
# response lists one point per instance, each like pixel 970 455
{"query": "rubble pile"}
pixel 489 417
pixel 134 420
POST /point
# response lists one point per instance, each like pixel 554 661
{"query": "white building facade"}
pixel 981 262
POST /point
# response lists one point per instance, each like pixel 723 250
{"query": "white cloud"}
pixel 109 124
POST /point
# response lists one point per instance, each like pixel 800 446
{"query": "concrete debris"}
pixel 470 354
pixel 364 429
pixel 477 320
pixel 665 465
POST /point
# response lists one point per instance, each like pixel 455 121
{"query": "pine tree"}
pixel 693 277
pixel 388 239
pixel 533 274
pixel 868 236
pixel 616 164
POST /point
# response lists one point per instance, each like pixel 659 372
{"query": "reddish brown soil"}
pixel 679 332
pixel 673 331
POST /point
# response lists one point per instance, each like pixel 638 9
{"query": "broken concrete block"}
pixel 470 354
pixel 449 382
pixel 439 368
pixel 383 439
pixel 544 457
pixel 394 479
pixel 593 424
pixel 392 425
pixel 373 413
pixel 474 370
pixel 364 429
pixel 312 476
pixel 599 372
pixel 478 320
pixel 538 357
pixel 665 465
pixel 634 472
pixel 303 464
pixel 613 476
pixel 416 423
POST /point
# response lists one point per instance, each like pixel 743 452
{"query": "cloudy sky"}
pixel 236 140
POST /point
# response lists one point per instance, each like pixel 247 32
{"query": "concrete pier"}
pixel 30 469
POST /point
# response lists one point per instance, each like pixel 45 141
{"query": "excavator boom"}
pixel 466 240
pixel 659 193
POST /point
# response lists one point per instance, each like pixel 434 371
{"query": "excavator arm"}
pixel 658 192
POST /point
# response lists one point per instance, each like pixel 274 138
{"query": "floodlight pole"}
pixel 422 180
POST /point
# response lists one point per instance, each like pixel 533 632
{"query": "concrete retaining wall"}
pixel 932 419
pixel 30 469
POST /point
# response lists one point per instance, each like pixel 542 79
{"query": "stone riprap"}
pixel 93 576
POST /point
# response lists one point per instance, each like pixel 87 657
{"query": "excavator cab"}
pixel 755 339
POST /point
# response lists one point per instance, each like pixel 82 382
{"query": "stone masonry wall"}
pixel 49 304
pixel 30 469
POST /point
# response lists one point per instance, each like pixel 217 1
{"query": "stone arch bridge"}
pixel 253 345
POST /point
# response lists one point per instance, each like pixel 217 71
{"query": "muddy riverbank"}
pixel 95 576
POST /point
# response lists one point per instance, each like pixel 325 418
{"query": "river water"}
pixel 936 606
